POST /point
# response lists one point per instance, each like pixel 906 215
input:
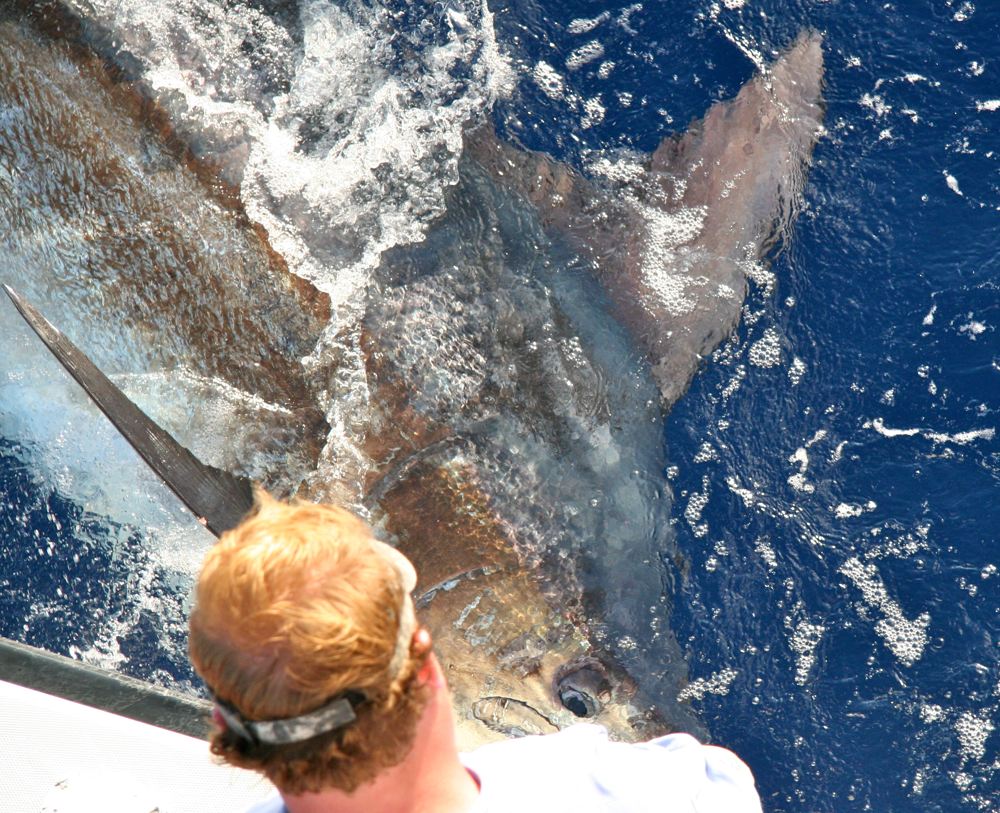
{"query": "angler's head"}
pixel 305 634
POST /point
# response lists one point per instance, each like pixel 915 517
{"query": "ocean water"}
pixel 834 465
pixel 836 493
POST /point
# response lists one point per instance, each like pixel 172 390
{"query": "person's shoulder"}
pixel 678 767
pixel 550 769
pixel 272 805
pixel 581 766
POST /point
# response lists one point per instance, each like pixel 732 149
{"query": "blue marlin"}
pixel 518 361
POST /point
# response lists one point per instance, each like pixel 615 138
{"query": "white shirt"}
pixel 579 770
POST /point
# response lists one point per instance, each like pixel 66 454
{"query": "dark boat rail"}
pixel 70 679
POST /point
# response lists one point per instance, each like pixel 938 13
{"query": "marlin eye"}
pixel 581 685
pixel 577 702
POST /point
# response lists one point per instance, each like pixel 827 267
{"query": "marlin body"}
pixel 518 362
pixel 555 410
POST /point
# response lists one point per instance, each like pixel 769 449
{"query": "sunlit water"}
pixel 834 467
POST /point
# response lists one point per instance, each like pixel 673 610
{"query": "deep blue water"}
pixel 75 582
pixel 838 510
pixel 888 297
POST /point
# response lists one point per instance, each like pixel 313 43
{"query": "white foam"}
pixel 625 18
pixel 760 274
pixel 666 233
pixel 961 438
pixel 747 495
pixel 549 80
pixel 973 731
pixel 766 552
pixel 593 113
pixel 328 207
pixel 952 182
pixel 932 713
pixel 734 383
pixel 586 25
pixel 973 329
pixel 964 12
pixel 796 371
pixel 696 504
pixel 621 170
pixel 584 54
pixel 706 453
pixel 804 640
pixel 898 546
pixel 718 683
pixel 766 351
pixel 876 103
pixel 798 480
pixel 906 639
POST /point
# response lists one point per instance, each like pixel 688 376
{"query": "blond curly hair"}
pixel 292 608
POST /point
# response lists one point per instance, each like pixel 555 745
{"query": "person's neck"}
pixel 430 779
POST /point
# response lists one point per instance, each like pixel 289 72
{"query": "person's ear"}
pixel 430 673
pixel 421 643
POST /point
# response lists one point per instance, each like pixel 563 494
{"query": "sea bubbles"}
pixel 906 639
pixel 766 351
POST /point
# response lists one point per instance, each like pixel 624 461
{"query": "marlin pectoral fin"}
pixel 219 499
